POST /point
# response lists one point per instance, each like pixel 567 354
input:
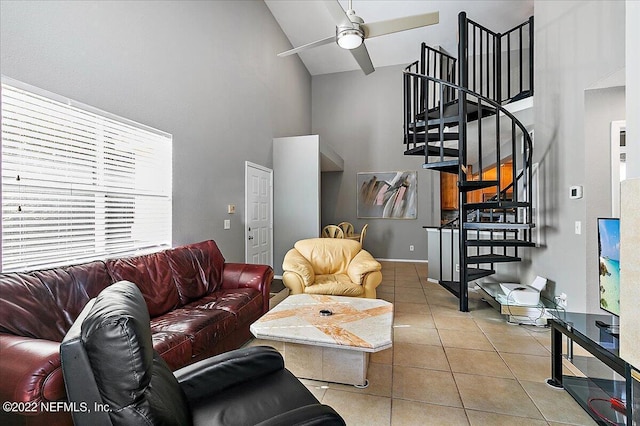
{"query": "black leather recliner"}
pixel 114 377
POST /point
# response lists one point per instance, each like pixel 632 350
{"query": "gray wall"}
pixel 296 187
pixel 361 118
pixel 601 107
pixel 577 44
pixel 206 72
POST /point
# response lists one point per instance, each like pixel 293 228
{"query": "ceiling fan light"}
pixel 350 39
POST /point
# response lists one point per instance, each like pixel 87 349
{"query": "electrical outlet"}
pixel 227 224
pixel 231 208
pixel 578 227
pixel 411 247
pixel 561 300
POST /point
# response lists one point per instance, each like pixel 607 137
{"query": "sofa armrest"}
pixel 362 264
pixel 212 375
pixel 297 263
pixel 30 370
pixel 309 415
pixel 245 275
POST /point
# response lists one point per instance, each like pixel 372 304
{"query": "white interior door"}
pixel 259 214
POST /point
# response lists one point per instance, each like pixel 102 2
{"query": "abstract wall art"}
pixel 387 195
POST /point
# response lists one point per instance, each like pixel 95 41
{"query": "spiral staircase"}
pixel 457 117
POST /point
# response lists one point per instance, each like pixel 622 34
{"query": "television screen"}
pixel 609 255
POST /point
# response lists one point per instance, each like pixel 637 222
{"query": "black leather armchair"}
pixel 114 377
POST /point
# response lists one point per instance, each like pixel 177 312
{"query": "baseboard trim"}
pixel 402 260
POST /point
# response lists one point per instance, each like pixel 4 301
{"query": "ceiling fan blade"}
pixel 379 28
pixel 362 57
pixel 338 14
pixel 317 43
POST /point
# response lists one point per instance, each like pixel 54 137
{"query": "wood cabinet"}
pixel 449 195
pixel 448 191
pixel 506 177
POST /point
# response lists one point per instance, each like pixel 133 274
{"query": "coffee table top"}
pixel 356 323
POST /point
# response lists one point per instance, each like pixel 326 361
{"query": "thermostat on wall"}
pixel 575 192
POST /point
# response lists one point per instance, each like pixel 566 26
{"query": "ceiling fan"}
pixel 351 31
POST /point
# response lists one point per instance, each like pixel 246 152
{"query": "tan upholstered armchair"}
pixel 338 267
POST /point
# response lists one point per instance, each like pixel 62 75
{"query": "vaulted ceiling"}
pixel 305 21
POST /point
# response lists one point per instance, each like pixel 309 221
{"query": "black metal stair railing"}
pixel 513 230
pixel 440 65
pixel 442 95
pixel 484 108
pixel 502 77
pixel 499 66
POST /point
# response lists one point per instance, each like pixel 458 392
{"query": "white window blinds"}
pixel 78 184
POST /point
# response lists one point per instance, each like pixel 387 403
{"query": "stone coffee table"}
pixel 331 347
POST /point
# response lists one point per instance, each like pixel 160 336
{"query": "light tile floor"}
pixel 451 368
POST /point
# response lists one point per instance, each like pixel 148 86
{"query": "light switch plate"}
pixel 231 208
pixel 227 224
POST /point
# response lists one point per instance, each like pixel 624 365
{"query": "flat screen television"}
pixel 609 259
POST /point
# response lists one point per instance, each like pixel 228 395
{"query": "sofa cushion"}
pixel 244 303
pixel 328 255
pixel 29 308
pixel 205 328
pixel 93 277
pixel 197 269
pixel 334 284
pixel 153 276
pixel 174 348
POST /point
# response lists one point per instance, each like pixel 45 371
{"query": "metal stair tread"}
pixel 451 108
pixel 432 150
pixel 452 286
pixel 472 185
pixel 449 166
pixel 477 273
pixel 509 242
pixel 504 204
pixel 432 137
pixel 497 226
pixel 492 258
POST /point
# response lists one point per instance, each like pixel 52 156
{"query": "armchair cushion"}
pixel 362 264
pixel 213 375
pixel 335 284
pixel 331 266
pixel 328 255
pixel 294 261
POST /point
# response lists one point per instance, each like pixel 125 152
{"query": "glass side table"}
pixel 603 391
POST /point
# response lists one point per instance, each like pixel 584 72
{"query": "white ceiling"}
pixel 304 21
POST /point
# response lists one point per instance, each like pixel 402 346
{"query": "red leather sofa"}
pixel 199 305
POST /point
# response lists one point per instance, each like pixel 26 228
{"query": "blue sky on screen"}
pixel 610 238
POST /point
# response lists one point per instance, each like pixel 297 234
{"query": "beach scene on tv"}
pixel 609 252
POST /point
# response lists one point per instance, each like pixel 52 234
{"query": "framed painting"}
pixel 387 195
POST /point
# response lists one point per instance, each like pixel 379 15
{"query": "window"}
pixel 78 184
